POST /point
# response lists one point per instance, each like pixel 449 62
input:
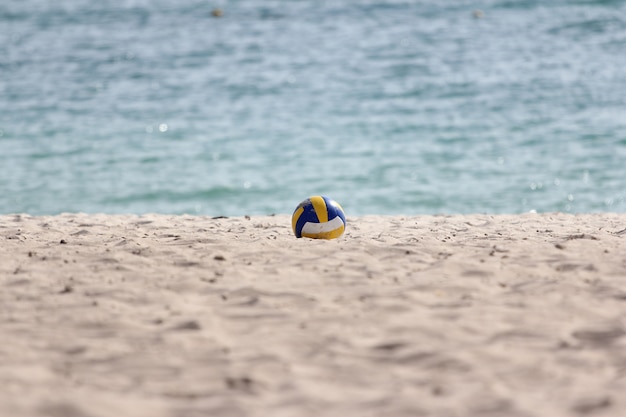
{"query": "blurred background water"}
pixel 388 106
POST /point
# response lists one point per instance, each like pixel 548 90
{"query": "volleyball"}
pixel 318 217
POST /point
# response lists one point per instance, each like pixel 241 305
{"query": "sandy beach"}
pixel 181 316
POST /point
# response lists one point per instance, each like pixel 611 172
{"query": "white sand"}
pixel 403 316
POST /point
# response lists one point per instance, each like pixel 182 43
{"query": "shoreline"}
pixel 168 315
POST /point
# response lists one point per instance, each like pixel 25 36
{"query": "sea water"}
pixel 387 106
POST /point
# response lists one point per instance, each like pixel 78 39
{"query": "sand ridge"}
pixel 465 315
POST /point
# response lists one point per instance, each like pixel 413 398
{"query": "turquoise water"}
pixel 389 107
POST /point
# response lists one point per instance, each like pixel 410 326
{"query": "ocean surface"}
pixel 389 107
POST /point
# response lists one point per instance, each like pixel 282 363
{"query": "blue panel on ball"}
pixel 334 209
pixel 308 215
